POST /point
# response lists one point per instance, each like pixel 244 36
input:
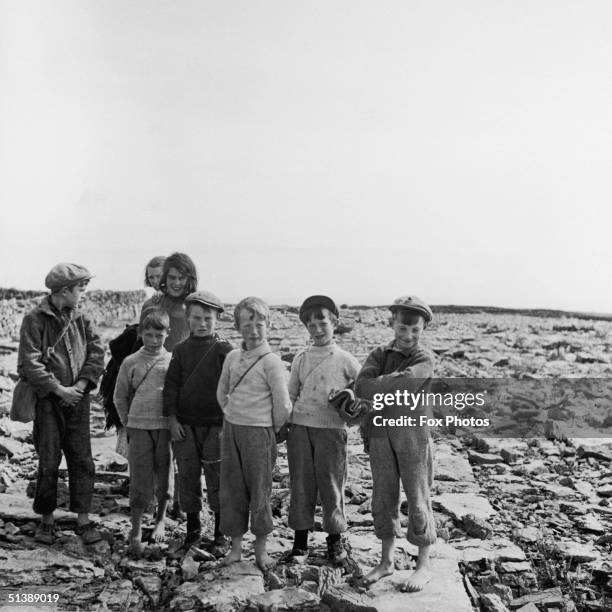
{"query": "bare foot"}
pixel 418 579
pixel 264 561
pixel 136 546
pixel 231 557
pixel 159 534
pixel 380 571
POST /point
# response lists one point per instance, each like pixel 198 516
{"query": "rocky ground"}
pixel 523 524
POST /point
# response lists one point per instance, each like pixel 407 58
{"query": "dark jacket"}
pixel 192 398
pixel 388 369
pixel 79 354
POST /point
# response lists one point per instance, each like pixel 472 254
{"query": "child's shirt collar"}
pixel 262 349
pixel 406 352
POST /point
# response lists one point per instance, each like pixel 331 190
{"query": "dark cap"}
pixel 320 301
pixel 413 304
pixel 66 275
pixel 205 298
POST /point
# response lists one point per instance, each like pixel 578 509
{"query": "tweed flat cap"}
pixel 414 304
pixel 66 275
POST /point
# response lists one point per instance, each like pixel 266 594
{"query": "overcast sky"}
pixel 460 151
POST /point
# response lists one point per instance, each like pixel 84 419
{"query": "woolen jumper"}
pixel 314 373
pixel 261 399
pixel 193 398
pixel 146 409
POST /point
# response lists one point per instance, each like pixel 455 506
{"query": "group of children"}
pixel 219 410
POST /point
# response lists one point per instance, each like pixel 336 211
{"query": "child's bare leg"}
pixel 386 566
pixel 136 532
pixel 235 554
pixel 422 573
pixel 263 559
pixel 158 534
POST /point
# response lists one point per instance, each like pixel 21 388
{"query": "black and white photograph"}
pixel 304 305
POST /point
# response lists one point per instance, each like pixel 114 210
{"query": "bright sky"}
pixel 460 151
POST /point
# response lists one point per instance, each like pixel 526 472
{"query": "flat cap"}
pixel 322 301
pixel 66 275
pixel 206 298
pixel 413 304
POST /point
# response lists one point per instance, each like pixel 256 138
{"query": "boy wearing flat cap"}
pixel 401 453
pixel 62 358
pixel 317 441
pixel 194 415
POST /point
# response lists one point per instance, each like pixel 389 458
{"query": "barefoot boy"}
pixel 317 442
pixel 253 395
pixel 61 357
pixel 401 453
pixel 195 417
pixel 138 398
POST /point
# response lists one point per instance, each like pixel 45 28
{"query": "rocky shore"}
pixel 523 523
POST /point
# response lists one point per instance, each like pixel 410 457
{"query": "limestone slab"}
pixel 444 592
pixel 458 505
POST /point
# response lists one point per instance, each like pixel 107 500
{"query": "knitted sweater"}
pixel 146 408
pixel 261 399
pixel 314 373
pixel 189 395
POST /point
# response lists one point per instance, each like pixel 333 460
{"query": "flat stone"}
pixel 109 460
pixel 527 534
pixel 605 490
pixel 512 567
pixel 557 490
pixel 452 467
pixel 484 458
pixel 458 505
pixel 189 567
pixel 19 508
pixel 31 566
pixel 117 595
pixel 530 607
pixel 469 551
pixel 286 600
pixel 151 586
pixel 573 508
pixel 444 592
pixel 579 553
pixel 477 527
pixel 15 429
pixel 589 523
pixel 225 589
pixel 585 488
pixel 15 449
pixel 547 597
pixel 598 449
pixel 510 455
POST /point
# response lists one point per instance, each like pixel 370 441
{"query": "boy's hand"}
pixel 70 395
pixel 177 433
pixel 81 385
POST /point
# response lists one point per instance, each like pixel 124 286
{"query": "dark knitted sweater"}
pixel 192 398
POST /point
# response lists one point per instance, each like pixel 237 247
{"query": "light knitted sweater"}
pixel 261 392
pixel 146 409
pixel 314 373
